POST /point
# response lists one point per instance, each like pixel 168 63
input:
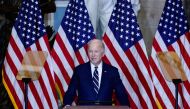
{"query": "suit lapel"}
pixel 89 76
pixel 103 78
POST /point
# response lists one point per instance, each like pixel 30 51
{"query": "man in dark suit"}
pixel 95 82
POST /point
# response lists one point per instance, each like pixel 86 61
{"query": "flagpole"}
pixel 26 81
pixel 176 82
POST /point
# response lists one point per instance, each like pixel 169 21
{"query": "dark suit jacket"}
pixel 81 83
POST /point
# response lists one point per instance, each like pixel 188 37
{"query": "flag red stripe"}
pixel 163 83
pixel 29 105
pixel 13 68
pixel 58 82
pixel 140 75
pixel 79 57
pixel 187 36
pixel 156 46
pixel 146 63
pixel 186 59
pixel 45 39
pixel 48 72
pixel 143 57
pixel 123 68
pixel 36 95
pixel 14 57
pixel 11 88
pixel 34 92
pixel 61 67
pixel 186 84
pixel 105 59
pixel 185 104
pixel 160 100
pixel 11 64
pixel 170 48
pixel 86 48
pixel 184 53
pixel 64 51
pixel 16 49
pixel 132 103
pixel 42 84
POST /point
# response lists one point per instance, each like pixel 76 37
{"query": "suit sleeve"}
pixel 120 90
pixel 71 92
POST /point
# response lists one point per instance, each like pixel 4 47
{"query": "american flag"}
pixel 28 34
pixel 70 44
pixel 172 35
pixel 126 50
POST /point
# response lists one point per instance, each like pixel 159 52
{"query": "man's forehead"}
pixel 95 42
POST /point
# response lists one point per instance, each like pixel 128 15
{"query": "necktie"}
pixel 96 80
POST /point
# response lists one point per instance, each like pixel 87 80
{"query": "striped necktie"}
pixel 96 80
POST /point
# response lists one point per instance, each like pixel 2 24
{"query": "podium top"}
pixel 32 65
pixel 170 64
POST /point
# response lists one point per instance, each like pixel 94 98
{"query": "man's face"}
pixel 95 52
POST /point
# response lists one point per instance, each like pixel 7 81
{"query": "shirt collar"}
pixel 93 66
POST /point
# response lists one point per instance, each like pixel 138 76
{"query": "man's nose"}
pixel 93 54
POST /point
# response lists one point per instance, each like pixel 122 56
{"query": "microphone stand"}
pixel 26 81
pixel 176 82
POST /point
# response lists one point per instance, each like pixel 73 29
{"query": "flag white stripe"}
pixel 186 95
pixel 126 62
pixel 124 57
pixel 133 71
pixel 38 86
pixel 160 41
pixel 161 92
pixel 18 42
pixel 185 43
pixel 31 99
pixel 131 68
pixel 124 80
pixel 15 60
pixel 177 49
pixel 145 75
pixel 169 84
pixel 158 66
pixel 14 82
pixel 64 39
pixel 45 79
pixel 61 56
pixel 60 76
pixel 144 69
pixel 16 51
pixel 45 76
pixel 68 45
pixel 83 54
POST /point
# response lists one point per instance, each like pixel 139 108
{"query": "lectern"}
pixel 172 69
pixel 31 67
